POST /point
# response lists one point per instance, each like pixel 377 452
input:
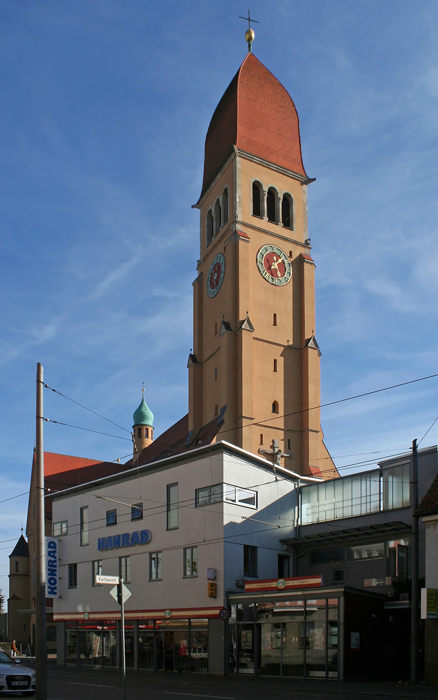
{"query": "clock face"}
pixel 215 275
pixel 274 265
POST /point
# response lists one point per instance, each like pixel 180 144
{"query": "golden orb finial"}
pixel 250 36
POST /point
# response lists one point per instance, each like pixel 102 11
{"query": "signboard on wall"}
pixel 52 578
pixel 355 640
pixel 283 584
pixel 429 604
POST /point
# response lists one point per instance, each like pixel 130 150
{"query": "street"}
pixel 71 683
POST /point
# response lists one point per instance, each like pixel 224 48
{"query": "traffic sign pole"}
pixel 122 631
pixel 120 594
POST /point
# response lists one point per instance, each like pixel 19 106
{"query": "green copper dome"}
pixel 143 415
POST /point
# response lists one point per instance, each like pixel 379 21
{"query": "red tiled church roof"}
pixel 256 114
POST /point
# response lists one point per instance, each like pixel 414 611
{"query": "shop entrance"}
pixel 182 645
pixel 282 649
pixel 172 650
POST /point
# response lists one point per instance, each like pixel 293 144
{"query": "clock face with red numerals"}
pixel 274 265
pixel 215 275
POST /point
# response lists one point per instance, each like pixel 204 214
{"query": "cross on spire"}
pixel 277 452
pixel 250 34
pixel 249 20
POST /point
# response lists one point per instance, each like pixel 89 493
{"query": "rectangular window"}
pixel 155 566
pixel 17 567
pixel 275 365
pixel 72 575
pixel 245 497
pixel 261 438
pixel 190 562
pixel 328 556
pixel 226 492
pixel 209 494
pixel 283 566
pixel 172 506
pixel 334 555
pixel 96 571
pixel 338 575
pixel 125 569
pixel 396 487
pixel 83 525
pixel 366 551
pixel 274 320
pixel 137 511
pixel 249 560
pixel 215 372
pixel 59 529
pixel 111 517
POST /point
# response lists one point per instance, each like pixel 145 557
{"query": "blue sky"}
pixel 104 109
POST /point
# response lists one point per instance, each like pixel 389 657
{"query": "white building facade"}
pixel 183 533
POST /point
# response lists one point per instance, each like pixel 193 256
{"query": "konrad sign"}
pixel 128 539
pixel 52 583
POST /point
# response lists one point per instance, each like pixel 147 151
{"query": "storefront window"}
pixel 146 646
pixel 172 640
pixel 246 648
pixel 70 642
pixel 97 643
pixel 129 646
pixel 281 638
pixel 199 646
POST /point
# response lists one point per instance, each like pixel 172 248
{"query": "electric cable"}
pixel 430 428
pixel 46 386
pixel 89 430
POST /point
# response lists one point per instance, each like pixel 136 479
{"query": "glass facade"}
pixel 91 643
pixel 161 645
pixel 293 638
pixel 349 496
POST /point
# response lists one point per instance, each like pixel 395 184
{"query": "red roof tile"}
pixel 429 503
pixel 315 471
pixel 256 114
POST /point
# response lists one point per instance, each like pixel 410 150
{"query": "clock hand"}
pixel 275 265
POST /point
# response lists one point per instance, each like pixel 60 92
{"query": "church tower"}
pixel 254 346
pixel 143 428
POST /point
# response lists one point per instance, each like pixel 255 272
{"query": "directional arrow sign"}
pixel 126 593
pixel 107 579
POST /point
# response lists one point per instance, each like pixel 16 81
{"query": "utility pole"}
pixel 415 590
pixel 40 573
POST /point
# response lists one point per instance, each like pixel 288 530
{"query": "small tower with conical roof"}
pixel 143 428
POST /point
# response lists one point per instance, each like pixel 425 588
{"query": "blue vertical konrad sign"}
pixel 52 578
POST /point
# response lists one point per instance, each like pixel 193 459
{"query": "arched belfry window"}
pixel 256 199
pixel 287 211
pixel 275 407
pixel 217 217
pixel 271 204
pixel 209 227
pixel 225 206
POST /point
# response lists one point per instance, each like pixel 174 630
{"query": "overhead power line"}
pixel 55 391
pixel 89 430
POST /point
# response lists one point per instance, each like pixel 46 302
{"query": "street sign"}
pixel 126 593
pixel 106 579
pixel 224 614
